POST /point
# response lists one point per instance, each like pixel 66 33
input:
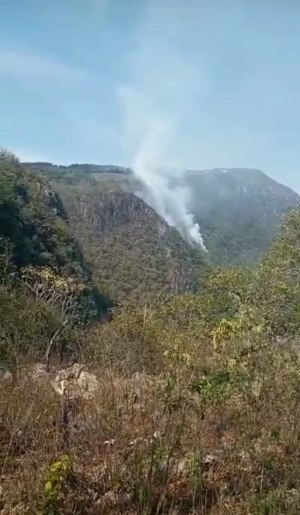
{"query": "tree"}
pixel 7 268
pixel 278 279
pixel 63 294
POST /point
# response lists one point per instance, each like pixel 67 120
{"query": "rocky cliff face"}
pixel 133 253
pixel 109 210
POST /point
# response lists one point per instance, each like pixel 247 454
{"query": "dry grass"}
pixel 161 444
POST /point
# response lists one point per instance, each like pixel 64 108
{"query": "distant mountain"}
pixel 78 173
pixel 239 209
pixel 93 230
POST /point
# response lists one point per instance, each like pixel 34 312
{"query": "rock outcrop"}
pixel 75 383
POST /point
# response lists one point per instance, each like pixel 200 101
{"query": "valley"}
pixel 140 374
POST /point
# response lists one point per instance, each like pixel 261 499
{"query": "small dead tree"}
pixel 61 293
pixel 6 264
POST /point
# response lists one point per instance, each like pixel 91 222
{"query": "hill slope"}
pixel 239 210
pixel 132 252
pixel 216 372
pixel 93 231
pixel 34 229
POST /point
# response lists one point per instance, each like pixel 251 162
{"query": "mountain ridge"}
pixel 90 168
pixel 239 210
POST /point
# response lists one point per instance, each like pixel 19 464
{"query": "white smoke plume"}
pixel 155 102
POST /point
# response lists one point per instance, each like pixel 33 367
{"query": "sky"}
pixel 87 80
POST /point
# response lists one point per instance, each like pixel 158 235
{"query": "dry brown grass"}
pixel 155 445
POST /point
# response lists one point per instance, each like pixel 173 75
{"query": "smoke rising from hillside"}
pixel 156 101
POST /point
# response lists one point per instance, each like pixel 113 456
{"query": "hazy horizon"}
pixel 192 85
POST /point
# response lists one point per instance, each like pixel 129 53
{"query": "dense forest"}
pixel 172 387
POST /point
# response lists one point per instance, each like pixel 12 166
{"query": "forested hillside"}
pixel 239 210
pixel 131 251
pixel 46 285
pixel 186 402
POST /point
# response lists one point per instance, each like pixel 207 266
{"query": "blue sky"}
pixel 199 84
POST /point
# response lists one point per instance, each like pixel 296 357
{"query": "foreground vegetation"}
pixel 196 409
